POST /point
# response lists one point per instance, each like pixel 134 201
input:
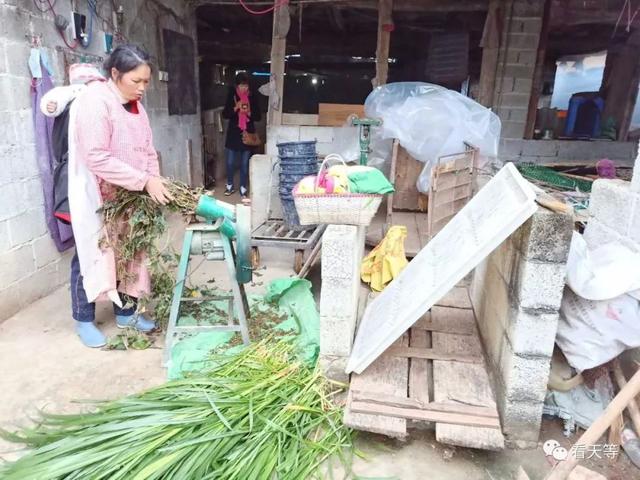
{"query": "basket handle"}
pixel 323 166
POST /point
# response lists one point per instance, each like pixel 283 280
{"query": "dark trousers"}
pixel 83 310
pixel 233 157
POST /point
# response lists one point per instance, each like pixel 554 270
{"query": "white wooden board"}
pixel 497 210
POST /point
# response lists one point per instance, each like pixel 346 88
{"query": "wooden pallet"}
pixel 434 373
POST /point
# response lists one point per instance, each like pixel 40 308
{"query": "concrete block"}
pixel 518 71
pixel 539 286
pixel 11 301
pixel 320 134
pixel 511 148
pixel 334 367
pixel 528 9
pixel 504 260
pixel 526 58
pixel 524 378
pixel 11 201
pixel 16 264
pixel 27 226
pixel 342 252
pixel 283 133
pixel 597 234
pixel 324 149
pixel 523 41
pixel 531 25
pixel 505 84
pixel 17 55
pixel 45 251
pixel 532 334
pixel 476 290
pixel 512 129
pixel 339 297
pixel 336 334
pixel 612 202
pixel 521 423
pixel 540 148
pixel 545 237
pixel 514 100
pixel 19 162
pixel 33 192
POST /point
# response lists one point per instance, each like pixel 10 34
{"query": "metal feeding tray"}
pixel 274 233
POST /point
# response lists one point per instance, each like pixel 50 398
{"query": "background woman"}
pixel 110 145
pixel 242 111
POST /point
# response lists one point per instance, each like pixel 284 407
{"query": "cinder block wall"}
pixel 516 294
pixel 342 253
pixel 293 133
pixel 516 65
pixel 614 214
pixel 30 266
pixel 566 151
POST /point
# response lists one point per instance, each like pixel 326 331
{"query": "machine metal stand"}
pixel 212 240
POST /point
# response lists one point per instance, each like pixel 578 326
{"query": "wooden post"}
pixel 385 8
pixel 281 24
pixel 538 74
pixel 620 83
pixel 490 44
pixel 562 470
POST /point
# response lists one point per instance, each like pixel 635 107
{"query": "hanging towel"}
pixel 386 260
pixel 61 234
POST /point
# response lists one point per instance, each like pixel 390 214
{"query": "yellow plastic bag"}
pixel 386 260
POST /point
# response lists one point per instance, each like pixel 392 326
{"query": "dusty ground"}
pixel 45 366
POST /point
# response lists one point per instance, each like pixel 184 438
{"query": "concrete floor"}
pixel 45 366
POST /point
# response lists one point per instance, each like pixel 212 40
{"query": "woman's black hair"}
pixel 242 77
pixel 126 58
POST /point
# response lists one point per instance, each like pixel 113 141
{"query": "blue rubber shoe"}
pixel 90 335
pixel 135 321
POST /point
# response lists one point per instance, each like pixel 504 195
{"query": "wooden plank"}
pixel 466 384
pixel 301 119
pixel 490 44
pixel 422 220
pixel 538 73
pixel 419 372
pixel 337 114
pixel 412 243
pixel 457 297
pixel 385 21
pixel 278 52
pixel 392 401
pixel 407 170
pixel 432 354
pixel 392 175
pixel 426 325
pixel 457 420
pixel 387 375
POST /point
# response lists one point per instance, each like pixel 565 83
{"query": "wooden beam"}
pixel 490 44
pixel 590 437
pixel 403 402
pixel 424 415
pixel 538 73
pixel 431 354
pixel 385 8
pixel 620 83
pixel 281 22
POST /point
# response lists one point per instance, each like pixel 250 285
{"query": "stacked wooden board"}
pixel 435 373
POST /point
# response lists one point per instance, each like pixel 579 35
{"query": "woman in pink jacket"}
pixel 110 145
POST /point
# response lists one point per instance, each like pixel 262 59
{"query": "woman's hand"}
pixel 238 106
pixel 157 189
pixel 51 106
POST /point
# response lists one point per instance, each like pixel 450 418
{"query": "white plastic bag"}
pixel 431 121
pixel 591 332
pixel 603 273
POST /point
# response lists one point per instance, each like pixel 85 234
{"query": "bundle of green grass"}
pixel 260 414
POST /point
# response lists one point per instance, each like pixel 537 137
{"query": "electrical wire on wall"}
pixel 61 22
pixel 272 8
